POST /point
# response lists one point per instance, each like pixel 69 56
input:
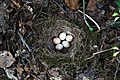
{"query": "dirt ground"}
pixel 27 49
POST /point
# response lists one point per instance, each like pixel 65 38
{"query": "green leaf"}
pixel 115 54
pixel 118 2
pixel 119 10
pixel 115 48
pixel 116 18
pixel 115 14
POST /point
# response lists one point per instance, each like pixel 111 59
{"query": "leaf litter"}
pixel 23 51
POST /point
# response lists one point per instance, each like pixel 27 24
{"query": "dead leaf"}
pixel 27 69
pixel 6 59
pixel 91 5
pixel 72 4
pixel 54 71
pixel 20 70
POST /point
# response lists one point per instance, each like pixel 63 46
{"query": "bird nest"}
pixel 54 30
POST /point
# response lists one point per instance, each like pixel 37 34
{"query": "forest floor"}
pixel 27 49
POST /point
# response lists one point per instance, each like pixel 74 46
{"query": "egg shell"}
pixel 69 38
pixel 62 36
pixel 56 40
pixel 66 44
pixel 59 47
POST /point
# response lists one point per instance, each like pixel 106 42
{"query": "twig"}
pixel 23 41
pixel 97 53
pixel 117 69
pixel 115 74
pixel 59 6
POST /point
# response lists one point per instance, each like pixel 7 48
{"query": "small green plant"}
pixel 116 14
pixel 117 51
pixel 113 48
pixel 90 18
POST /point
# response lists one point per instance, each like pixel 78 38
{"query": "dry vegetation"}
pixel 27 51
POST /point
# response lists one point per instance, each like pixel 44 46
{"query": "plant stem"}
pixel 98 53
pixel 90 19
